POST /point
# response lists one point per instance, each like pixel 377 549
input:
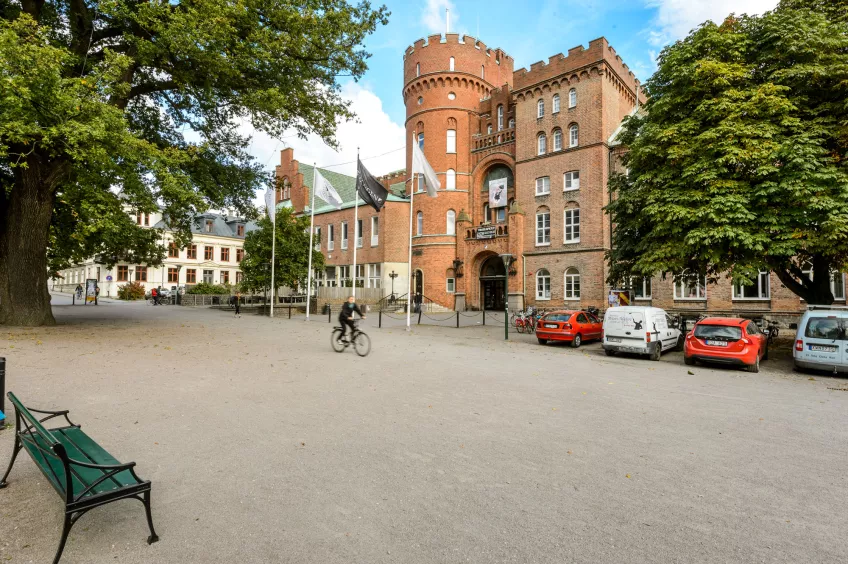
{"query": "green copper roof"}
pixel 345 185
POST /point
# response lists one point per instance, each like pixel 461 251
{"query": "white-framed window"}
pixel 543 285
pixel 360 275
pixel 344 235
pixel 690 287
pixel 451 141
pixel 344 274
pixel 417 69
pixel 374 278
pixel 331 237
pixel 419 185
pixel 450 179
pixel 450 220
pixel 837 281
pixel 543 228
pixel 489 129
pixel 572 98
pixel 641 287
pixel 450 285
pixel 557 140
pixel 573 132
pixel 500 117
pixel 500 215
pixel 358 233
pixel 572 283
pixel 421 140
pixel 451 64
pixel 486 216
pixel 571 180
pixel 375 231
pixel 759 290
pixel 317 240
pixel 572 225
pixel 540 108
pixel 419 224
pixel 543 186
pixel 555 104
pixel 330 277
pixel 543 143
pixel 511 123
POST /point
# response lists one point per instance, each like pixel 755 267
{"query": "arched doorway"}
pixel 419 283
pixel 492 281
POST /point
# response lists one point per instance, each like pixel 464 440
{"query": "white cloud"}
pixel 434 18
pixel 374 133
pixel 676 18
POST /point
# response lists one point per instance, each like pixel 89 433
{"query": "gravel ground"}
pixel 444 445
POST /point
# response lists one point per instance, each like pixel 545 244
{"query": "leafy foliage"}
pixel 206 288
pixel 738 162
pixel 131 291
pixel 292 253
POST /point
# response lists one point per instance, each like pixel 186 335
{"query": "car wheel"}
pixel 575 342
pixel 765 354
pixel 543 341
pixel 688 361
pixel 754 367
pixel 679 345
pixel 609 352
pixel 657 352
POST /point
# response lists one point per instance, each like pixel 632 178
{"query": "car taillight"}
pixel 648 336
pixel 567 325
pixel 799 345
pixel 689 336
pixel 746 341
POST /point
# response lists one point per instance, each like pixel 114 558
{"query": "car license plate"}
pixel 551 325
pixel 823 348
pixel 613 339
pixel 716 343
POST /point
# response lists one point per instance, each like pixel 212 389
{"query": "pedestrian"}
pixel 78 291
pixel 155 296
pixel 96 293
pixel 238 304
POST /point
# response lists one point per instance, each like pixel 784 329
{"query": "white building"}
pixel 214 256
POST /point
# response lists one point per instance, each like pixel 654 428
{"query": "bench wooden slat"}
pixel 81 447
pixel 51 466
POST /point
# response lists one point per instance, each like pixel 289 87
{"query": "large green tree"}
pixel 291 263
pixel 113 104
pixel 738 162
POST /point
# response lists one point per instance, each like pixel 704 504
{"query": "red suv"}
pixel 573 326
pixel 726 340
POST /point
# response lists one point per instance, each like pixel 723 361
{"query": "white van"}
pixel 821 342
pixel 640 330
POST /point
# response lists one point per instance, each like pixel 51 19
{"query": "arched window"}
pixel 489 129
pixel 555 104
pixel 572 98
pixel 572 225
pixel 500 117
pixel 572 135
pixel 572 283
pixel 540 108
pixel 417 69
pixel 543 285
pixel 511 123
pixel 451 222
pixel 451 141
pixel 421 140
pixel 557 139
pixel 486 218
pixel 420 223
pixel 452 62
pixel 543 144
pixel 450 179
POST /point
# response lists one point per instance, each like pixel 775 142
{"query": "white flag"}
pixel 421 166
pixel 325 191
pixel 270 203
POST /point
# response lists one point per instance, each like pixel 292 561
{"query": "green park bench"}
pixel 80 470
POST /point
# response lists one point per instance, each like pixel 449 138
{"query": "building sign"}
pixel 109 278
pixel 620 298
pixel 497 193
pixel 486 232
pixel 90 290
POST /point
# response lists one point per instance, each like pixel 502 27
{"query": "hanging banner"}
pixel 497 193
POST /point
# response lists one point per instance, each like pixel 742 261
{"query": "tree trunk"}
pixel 24 234
pixel 815 291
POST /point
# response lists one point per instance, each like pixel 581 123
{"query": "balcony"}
pixel 502 137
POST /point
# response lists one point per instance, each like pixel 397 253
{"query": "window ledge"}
pixel 543 244
pixel 751 299
pixel 571 242
pixel 544 194
pixel 571 189
pixel 542 299
pixel 643 299
pixel 690 299
pixel 572 299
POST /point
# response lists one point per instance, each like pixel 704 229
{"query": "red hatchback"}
pixel 726 340
pixel 573 326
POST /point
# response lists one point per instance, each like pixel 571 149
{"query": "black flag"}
pixel 369 188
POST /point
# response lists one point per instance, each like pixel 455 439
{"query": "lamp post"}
pixel 393 275
pixel 507 260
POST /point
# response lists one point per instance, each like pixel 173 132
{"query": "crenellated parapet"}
pixel 471 57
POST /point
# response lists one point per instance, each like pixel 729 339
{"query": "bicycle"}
pixel 360 341
pixel 772 331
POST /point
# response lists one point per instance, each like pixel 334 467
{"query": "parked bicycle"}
pixel 360 341
pixel 526 320
pixel 772 331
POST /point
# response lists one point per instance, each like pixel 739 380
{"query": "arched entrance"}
pixel 419 283
pixel 492 281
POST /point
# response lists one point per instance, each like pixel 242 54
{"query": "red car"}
pixel 573 326
pixel 726 340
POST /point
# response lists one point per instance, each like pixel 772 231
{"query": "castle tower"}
pixel 445 79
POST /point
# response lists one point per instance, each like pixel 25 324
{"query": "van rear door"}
pixel 824 340
pixel 625 326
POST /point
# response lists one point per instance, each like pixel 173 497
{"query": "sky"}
pixel 528 30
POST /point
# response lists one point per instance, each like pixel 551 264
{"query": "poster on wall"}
pixel 497 193
pixel 90 290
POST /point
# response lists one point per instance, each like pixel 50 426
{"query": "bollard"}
pixel 2 389
pixel 329 313
pixel 74 298
pixel 380 319
pixel 457 320
pixel 420 310
pixel 289 312
pixel 484 317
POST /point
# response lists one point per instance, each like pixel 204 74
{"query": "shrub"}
pixel 205 288
pixel 131 291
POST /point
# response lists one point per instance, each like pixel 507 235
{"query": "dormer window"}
pixel 240 230
pixel 208 226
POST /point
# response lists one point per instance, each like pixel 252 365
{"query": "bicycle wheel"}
pixel 334 340
pixel 520 326
pixel 362 344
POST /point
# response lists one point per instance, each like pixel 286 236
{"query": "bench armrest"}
pixel 51 414
pixel 108 470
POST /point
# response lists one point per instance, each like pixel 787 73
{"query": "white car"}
pixel 821 342
pixel 640 330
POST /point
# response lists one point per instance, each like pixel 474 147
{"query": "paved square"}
pixel 444 445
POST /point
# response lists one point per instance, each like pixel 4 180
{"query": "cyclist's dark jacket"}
pixel 346 314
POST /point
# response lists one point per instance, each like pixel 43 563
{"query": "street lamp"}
pixel 507 260
pixel 393 275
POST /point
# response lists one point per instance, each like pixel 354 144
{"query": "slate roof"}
pixel 222 225
pixel 345 185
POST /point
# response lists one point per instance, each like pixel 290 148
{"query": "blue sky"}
pixel 529 30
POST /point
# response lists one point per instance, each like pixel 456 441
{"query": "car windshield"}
pixel 718 332
pixel 557 317
pixel 824 328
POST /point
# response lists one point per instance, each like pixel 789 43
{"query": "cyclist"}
pixel 346 316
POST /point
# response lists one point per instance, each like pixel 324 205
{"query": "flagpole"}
pixel 273 248
pixel 409 266
pixel 355 225
pixel 311 233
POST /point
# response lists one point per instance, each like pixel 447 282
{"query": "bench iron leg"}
pixel 153 536
pixel 66 529
pixel 15 451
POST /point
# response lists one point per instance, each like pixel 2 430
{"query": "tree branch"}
pixel 151 87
